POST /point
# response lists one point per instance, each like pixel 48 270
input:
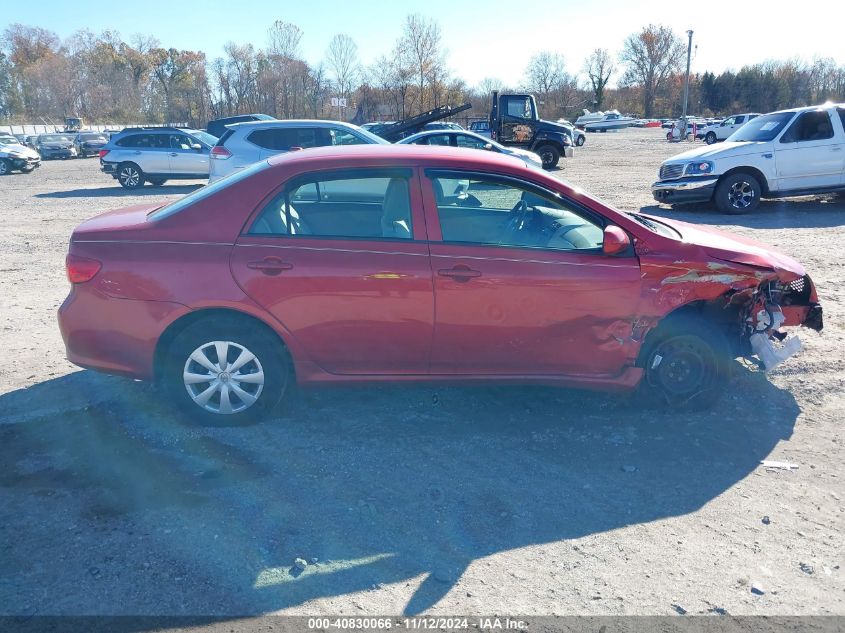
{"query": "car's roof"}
pixel 810 108
pixel 244 125
pixel 400 154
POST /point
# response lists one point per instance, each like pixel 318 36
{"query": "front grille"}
pixel 668 172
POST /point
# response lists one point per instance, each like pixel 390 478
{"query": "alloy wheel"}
pixel 741 195
pixel 223 377
pixel 129 176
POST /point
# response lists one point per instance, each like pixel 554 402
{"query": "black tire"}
pixel 156 182
pixel 271 360
pixel 5 167
pixel 27 170
pixel 580 140
pixel 130 176
pixel 687 363
pixel 710 138
pixel 549 155
pixel 738 193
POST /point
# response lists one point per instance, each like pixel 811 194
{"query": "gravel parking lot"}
pixel 471 500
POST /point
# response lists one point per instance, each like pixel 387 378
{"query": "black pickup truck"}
pixel 514 121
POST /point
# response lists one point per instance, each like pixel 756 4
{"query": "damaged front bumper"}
pixel 692 189
pixel 782 305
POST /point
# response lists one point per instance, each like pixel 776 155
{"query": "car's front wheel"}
pixel 686 361
pixel 710 138
pixel 549 155
pixel 5 167
pixel 226 371
pixel 738 193
pixel 130 176
pixel 580 140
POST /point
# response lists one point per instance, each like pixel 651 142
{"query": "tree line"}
pixel 104 78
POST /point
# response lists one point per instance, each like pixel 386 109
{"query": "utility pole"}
pixel 686 88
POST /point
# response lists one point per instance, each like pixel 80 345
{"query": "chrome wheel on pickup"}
pixel 738 193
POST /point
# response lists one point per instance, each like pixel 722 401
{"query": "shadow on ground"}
pixel 106 192
pixel 121 507
pixel 807 212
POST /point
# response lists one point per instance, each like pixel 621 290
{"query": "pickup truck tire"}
pixel 710 138
pixel 549 155
pixel 738 193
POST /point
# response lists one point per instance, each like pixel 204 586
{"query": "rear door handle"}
pixel 270 265
pixel 173 154
pixel 459 273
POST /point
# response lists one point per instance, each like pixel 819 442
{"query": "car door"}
pixel 809 153
pixel 840 111
pixel 521 284
pixel 341 260
pixel 185 160
pixel 518 120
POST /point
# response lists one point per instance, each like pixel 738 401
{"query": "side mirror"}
pixel 488 146
pixel 295 148
pixel 615 240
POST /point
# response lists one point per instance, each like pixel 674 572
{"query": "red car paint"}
pixel 355 310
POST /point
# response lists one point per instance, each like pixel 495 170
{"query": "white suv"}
pixel 788 153
pixel 721 131
pixel 246 143
pixel 155 155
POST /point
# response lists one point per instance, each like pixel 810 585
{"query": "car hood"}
pixel 722 150
pixel 18 149
pixel 735 249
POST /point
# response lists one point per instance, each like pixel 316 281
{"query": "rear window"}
pixel 283 138
pixel 204 192
pixel 222 140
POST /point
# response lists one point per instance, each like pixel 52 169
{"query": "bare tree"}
pixel 545 72
pixel 421 41
pixel 599 68
pixel 284 39
pixel 342 62
pixel 652 57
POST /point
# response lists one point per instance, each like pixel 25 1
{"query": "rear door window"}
pixel 357 204
pixel 134 140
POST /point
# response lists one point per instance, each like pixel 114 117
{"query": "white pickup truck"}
pixel 722 130
pixel 787 153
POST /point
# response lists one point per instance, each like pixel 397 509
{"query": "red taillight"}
pixel 81 269
pixel 103 153
pixel 220 153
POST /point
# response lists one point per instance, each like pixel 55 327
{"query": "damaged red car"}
pixel 408 263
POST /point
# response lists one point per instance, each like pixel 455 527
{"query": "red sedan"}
pixel 374 263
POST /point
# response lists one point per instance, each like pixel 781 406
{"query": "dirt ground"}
pixel 442 500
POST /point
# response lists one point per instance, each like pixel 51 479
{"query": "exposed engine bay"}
pixel 773 306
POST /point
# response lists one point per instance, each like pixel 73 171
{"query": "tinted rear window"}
pixel 283 138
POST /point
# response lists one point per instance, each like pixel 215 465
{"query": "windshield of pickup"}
pixel 762 128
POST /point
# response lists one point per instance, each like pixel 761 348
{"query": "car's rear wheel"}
pixel 687 362
pixel 710 138
pixel 5 167
pixel 157 182
pixel 549 155
pixel 226 371
pixel 580 140
pixel 738 193
pixel 130 176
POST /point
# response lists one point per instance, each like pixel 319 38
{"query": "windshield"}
pixel 762 128
pixel 8 140
pixel 205 137
pixel 372 138
pixel 53 138
pixel 204 192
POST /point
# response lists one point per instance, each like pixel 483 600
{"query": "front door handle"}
pixel 270 265
pixel 173 154
pixel 459 273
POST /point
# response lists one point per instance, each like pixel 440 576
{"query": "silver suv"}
pixel 155 155
pixel 246 143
